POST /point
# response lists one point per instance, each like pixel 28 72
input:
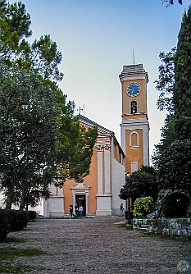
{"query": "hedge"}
pixel 4 224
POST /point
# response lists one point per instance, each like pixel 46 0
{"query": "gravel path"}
pixel 96 245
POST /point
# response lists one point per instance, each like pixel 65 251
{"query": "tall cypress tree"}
pixel 182 86
pixel 173 159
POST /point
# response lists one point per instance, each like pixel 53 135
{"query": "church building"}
pixel 99 192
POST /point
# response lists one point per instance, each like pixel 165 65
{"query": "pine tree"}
pixel 40 136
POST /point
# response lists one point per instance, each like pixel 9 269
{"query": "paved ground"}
pixel 96 245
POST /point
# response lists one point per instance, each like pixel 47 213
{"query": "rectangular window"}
pixel 134 166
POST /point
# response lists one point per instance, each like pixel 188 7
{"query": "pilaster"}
pixel 104 179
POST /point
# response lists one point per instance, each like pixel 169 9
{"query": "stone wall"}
pixel 166 226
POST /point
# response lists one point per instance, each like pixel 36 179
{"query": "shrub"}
pixel 32 215
pixel 18 219
pixel 4 225
pixel 142 206
pixel 175 205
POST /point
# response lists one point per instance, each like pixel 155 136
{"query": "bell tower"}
pixel 134 125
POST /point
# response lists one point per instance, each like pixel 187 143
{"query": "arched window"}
pixel 133 107
pixel 134 139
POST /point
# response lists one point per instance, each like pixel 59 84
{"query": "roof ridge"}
pixel 86 119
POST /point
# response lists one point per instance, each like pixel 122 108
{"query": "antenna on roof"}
pixel 133 57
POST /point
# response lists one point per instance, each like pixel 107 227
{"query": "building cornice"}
pixel 133 72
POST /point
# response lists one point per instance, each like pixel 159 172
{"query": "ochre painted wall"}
pixel 134 153
pixel 90 180
pixel 141 98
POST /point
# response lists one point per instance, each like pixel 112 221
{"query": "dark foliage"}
pixel 39 134
pixel 32 215
pixel 175 205
pixel 173 155
pixel 182 86
pixel 4 225
pixel 141 183
pixel 18 219
pixel 171 2
pixel 173 165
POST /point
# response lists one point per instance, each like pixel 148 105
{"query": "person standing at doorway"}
pixel 77 211
pixel 71 210
pixel 81 210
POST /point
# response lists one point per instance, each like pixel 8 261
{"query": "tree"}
pixel 75 144
pixel 39 134
pixel 14 26
pixel 171 2
pixel 27 129
pixel 141 183
pixel 165 83
pixel 175 204
pixel 27 107
pixel 173 166
pixel 182 85
pixel 41 138
pixel 42 54
pixel 81 158
pixel 173 156
pixel 45 57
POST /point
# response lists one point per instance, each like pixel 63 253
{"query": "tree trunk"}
pixel 9 199
pixel 23 200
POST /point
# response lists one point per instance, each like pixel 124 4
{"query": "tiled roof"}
pixel 101 129
pixel 87 120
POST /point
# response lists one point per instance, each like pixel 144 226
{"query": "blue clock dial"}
pixel 133 89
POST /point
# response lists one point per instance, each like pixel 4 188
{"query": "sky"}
pixel 96 39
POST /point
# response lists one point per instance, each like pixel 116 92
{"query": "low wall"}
pixel 166 226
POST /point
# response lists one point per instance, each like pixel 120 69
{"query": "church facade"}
pixel 98 194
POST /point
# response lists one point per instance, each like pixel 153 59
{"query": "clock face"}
pixel 133 89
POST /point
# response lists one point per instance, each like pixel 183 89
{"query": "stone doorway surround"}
pixel 80 189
